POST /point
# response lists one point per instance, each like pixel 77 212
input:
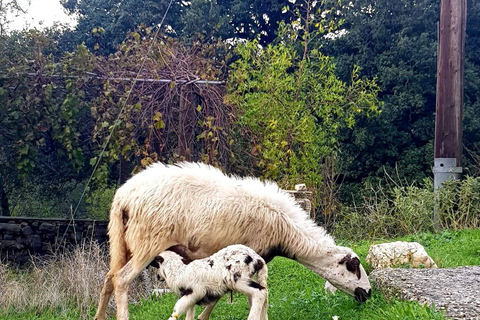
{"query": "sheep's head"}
pixel 346 273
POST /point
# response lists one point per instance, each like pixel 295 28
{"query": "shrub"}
pixel 393 211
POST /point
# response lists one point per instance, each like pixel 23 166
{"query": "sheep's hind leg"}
pixel 125 276
pixel 104 297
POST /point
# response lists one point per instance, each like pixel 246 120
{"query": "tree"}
pixel 293 106
pixel 44 121
pixel 169 117
pixel 104 24
pixel 395 42
pixel 8 8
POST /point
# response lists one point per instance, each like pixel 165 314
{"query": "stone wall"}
pixel 21 237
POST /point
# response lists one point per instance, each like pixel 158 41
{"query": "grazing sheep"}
pixel 205 281
pixel 198 207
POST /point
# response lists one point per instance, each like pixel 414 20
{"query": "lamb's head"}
pixel 344 270
pixel 166 259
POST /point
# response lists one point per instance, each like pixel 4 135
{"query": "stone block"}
pixel 8 236
pixel 9 227
pixel 47 227
pixel 35 241
pixel 7 244
pixel 27 230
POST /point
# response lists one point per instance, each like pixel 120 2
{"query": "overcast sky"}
pixel 41 13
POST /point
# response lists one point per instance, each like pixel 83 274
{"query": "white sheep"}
pixel 197 207
pixel 205 281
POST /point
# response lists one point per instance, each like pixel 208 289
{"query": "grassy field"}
pixel 297 293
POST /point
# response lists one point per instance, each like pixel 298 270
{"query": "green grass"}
pixel 297 293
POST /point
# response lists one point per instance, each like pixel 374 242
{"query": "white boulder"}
pixel 399 253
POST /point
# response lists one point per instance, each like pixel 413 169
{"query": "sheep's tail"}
pixel 116 234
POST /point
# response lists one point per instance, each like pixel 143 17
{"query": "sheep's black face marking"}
pixel 236 276
pixel 248 259
pixel 353 264
pixel 210 262
pixel 228 267
pixel 277 251
pixel 361 295
pixel 255 285
pixel 157 262
pixel 258 265
pixel 185 291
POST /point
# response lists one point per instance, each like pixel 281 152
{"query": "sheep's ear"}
pixel 157 262
pixel 353 264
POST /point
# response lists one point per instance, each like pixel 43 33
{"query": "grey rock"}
pixel 27 231
pixel 9 227
pixel 47 227
pixel 454 290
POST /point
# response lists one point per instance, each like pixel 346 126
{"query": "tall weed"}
pixel 395 210
pixel 59 282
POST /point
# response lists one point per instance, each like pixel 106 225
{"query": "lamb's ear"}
pixel 353 264
pixel 157 262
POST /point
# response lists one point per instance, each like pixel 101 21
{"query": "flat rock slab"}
pixel 456 290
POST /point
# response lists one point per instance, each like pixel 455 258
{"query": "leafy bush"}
pixel 98 203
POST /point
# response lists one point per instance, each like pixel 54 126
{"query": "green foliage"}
pixel 394 41
pixel 398 210
pixel 98 202
pixel 44 101
pixel 294 108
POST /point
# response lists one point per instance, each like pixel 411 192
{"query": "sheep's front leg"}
pixel 186 304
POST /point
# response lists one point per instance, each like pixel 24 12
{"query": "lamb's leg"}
pixel 258 295
pixel 190 313
pixel 205 315
pixel 264 315
pixel 104 297
pixel 186 303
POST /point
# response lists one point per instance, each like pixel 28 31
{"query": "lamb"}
pixel 205 281
pixel 196 206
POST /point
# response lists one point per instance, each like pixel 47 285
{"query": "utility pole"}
pixel 450 75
